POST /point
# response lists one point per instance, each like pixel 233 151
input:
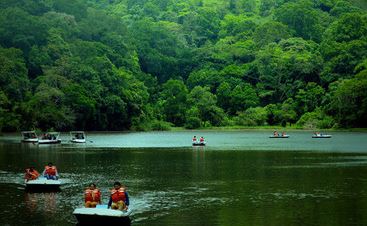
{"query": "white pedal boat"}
pixel 77 137
pixel 280 136
pixel 321 136
pixel 102 216
pixel 43 184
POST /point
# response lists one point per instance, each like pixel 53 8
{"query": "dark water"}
pixel 240 178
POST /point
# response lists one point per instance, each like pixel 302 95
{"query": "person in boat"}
pixel 92 196
pixel 202 140
pixel 31 174
pixel 119 199
pixel 194 139
pixel 50 172
pixel 276 134
pixel 284 134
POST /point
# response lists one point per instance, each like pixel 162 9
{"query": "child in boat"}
pixel 92 196
pixel 119 198
pixel 31 174
pixel 50 172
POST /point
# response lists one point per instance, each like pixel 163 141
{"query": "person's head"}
pixel 92 186
pixel 194 136
pixel 31 168
pixel 50 164
pixel 117 185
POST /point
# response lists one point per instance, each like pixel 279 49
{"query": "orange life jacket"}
pixel 92 195
pixel 50 170
pixel 118 195
pixel 31 175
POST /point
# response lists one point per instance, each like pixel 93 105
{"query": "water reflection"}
pixel 45 203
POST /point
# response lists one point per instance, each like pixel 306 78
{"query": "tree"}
pixel 285 67
pixel 205 102
pixel 174 101
pixel 310 98
pixel 306 21
pixel 236 97
pixel 344 47
pixel 271 31
pixel 252 117
pixel 349 101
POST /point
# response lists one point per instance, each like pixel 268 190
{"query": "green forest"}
pixel 101 65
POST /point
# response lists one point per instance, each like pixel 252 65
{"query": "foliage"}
pixel 150 64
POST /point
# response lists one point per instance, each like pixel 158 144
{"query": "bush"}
pixel 161 125
pixel 316 119
pixel 252 117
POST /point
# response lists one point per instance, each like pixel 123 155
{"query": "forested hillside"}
pixel 149 64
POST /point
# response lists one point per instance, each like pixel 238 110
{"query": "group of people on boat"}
pixel 195 140
pixel 48 136
pixel 49 172
pixel 119 198
pixel 277 134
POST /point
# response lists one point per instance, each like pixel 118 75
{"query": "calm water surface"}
pixel 240 178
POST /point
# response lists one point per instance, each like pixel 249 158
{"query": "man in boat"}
pixel 284 134
pixel 202 140
pixel 194 140
pixel 50 172
pixel 275 133
pixel 31 174
pixel 119 199
pixel 92 196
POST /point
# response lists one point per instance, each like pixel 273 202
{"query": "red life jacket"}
pixel 118 195
pixel 50 170
pixel 88 195
pixel 201 139
pixel 194 139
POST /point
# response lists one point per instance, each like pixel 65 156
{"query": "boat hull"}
pixel 79 141
pixel 33 140
pixel 101 220
pixel 102 216
pixel 198 144
pixel 323 136
pixel 49 141
pixel 285 136
pixel 42 184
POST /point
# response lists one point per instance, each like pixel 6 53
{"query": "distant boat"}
pixel 50 138
pixel 320 135
pixel 42 184
pixel 77 137
pixel 279 136
pixel 102 216
pixel 29 136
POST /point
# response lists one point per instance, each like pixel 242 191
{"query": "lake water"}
pixel 239 178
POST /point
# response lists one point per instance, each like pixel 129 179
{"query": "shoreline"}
pixel 225 128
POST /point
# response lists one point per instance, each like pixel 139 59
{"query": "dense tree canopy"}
pixel 151 64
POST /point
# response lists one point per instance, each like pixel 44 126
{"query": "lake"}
pixel 239 178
